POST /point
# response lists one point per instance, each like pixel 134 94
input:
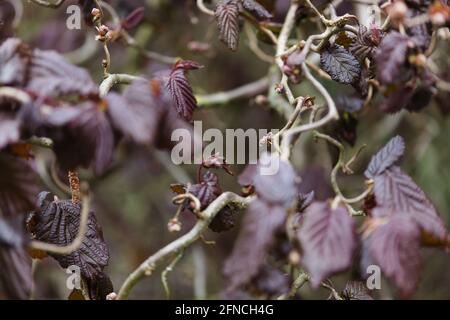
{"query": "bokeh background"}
pixel 133 202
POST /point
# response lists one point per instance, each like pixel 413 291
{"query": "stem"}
pixel 286 30
pixel 45 3
pixel 246 91
pixel 149 265
pixel 113 79
pixel 298 283
pixel 201 6
pixel 331 115
pixel 166 271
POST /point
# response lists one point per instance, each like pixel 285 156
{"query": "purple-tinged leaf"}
pixel 14 61
pixel 396 193
pixel 224 220
pixel 16 276
pixel 135 113
pixel 278 187
pixel 181 91
pixel 18 186
pixel 391 56
pixel 340 64
pixel 133 19
pixel 57 222
pixel 328 240
pixel 365 42
pixel 256 237
pixel 207 190
pixel 9 129
pixel 227 16
pixel 389 155
pixel 51 75
pixel 398 99
pixel 256 9
pixel 395 247
pixel 82 136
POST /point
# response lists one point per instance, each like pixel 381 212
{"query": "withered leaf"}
pixel 328 240
pixel 257 235
pixel 340 64
pixel 227 16
pixel 389 155
pixel 58 222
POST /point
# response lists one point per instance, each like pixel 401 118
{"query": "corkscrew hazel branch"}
pixel 202 7
pixel 246 91
pixel 175 247
pixel 340 165
pixel 113 79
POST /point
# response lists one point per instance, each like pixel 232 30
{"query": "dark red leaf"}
pixel 82 136
pixel 388 156
pixel 328 240
pixel 51 75
pixel 224 220
pixel 16 275
pixel 227 16
pixel 135 113
pixel 58 222
pixel 397 99
pixel 9 129
pixel 340 64
pixel 18 186
pixel 134 18
pixel 180 89
pixel 256 237
pixel 365 42
pixel 256 9
pixel 278 187
pixel 207 190
pixel 395 193
pixel 14 60
pixel 391 56
pixel 395 247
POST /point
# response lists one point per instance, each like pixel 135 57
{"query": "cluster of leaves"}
pixel 64 104
pixel 206 190
pixel 400 220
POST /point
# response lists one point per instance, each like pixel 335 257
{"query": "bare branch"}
pixel 175 247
